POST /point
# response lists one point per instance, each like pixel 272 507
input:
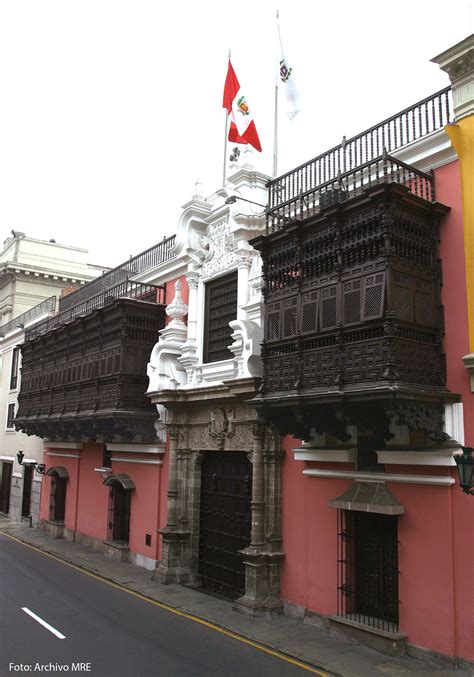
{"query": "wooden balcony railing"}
pixel 150 258
pixel 384 169
pixel 410 124
pixel 126 289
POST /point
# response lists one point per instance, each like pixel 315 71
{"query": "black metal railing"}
pixel 383 169
pixel 127 289
pixel 367 569
pixel 46 306
pixel 163 251
pixel 410 124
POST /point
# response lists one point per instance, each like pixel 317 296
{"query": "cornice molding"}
pixel 436 480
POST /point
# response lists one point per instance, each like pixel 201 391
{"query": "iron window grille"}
pixel 221 308
pixel 367 569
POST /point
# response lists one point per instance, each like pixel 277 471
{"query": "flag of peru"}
pixel 242 127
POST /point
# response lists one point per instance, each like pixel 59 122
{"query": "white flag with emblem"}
pixel 287 78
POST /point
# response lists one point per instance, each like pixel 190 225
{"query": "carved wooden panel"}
pixel 353 298
pixel 87 377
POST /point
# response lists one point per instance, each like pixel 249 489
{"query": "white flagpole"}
pixel 224 171
pixel 275 127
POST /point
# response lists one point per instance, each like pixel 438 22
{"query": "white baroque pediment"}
pixel 220 257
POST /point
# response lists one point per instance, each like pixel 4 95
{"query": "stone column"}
pixel 258 491
pixel 262 566
pixel 170 569
pixel 173 435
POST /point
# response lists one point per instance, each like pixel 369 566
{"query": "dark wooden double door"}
pixel 225 521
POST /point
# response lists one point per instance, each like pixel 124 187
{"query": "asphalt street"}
pixel 103 631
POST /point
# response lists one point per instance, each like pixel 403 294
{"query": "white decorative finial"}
pixel 177 309
pixel 198 189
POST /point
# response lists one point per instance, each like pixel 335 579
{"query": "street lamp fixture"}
pixel 232 199
pixel 39 467
pixel 465 464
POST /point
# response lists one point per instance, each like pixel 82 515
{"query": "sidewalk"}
pixel 301 640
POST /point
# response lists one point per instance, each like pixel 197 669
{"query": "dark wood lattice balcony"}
pixel 86 379
pixel 353 306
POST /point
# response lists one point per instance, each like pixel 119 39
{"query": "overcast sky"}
pixel 111 109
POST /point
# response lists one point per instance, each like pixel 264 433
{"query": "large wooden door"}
pixel 5 486
pixel 226 492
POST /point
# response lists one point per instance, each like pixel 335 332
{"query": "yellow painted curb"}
pixel 183 614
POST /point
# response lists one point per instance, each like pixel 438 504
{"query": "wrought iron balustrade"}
pixel 126 289
pixel 46 306
pixel 349 184
pixel 401 129
pixel 150 258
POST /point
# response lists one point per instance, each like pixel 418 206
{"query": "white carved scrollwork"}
pixel 164 370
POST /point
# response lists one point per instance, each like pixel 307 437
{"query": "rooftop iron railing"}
pixel 384 169
pixel 163 251
pixel 46 306
pixel 126 289
pixel 410 124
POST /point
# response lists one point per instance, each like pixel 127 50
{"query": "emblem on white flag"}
pixel 293 99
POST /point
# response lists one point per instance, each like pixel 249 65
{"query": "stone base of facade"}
pixel 119 552
pixel 444 661
pixel 53 529
pixel 334 624
pixel 391 643
pixel 262 586
pixel 142 561
pixel 172 568
pixel 115 551
pixel 16 499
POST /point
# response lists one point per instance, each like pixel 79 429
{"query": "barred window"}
pixel 10 416
pixel 14 368
pixel 221 308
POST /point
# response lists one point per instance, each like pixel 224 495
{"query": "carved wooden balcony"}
pixel 86 379
pixel 353 319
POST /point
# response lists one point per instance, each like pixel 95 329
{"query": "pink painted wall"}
pixel 144 507
pixel 435 547
pixel 453 293
pixel 93 495
pixel 435 552
pixel 71 465
pixel 435 562
pixel 87 498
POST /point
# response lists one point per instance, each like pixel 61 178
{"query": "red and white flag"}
pixel 242 127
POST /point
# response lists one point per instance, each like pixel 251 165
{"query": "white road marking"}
pixel 43 623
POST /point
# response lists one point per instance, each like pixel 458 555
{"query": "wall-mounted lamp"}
pixel 232 199
pixel 465 464
pixel 39 467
